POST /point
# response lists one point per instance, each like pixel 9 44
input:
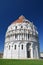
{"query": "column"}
pixel 37 52
pixel 32 50
pixel 19 51
pixel 18 37
pixel 25 36
pixel 22 36
pixel 25 50
pixel 14 36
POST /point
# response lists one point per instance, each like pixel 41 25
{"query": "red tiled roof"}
pixel 19 20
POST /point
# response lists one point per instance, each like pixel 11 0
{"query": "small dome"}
pixel 22 22
pixel 20 19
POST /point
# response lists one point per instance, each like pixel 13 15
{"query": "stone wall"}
pixel 41 55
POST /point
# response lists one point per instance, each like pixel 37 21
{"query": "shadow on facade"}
pixel 28 50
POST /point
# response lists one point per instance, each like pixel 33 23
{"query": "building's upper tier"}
pixel 22 23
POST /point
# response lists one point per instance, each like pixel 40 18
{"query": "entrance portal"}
pixel 28 50
pixel 28 54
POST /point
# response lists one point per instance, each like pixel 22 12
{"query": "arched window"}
pixel 28 36
pixel 15 47
pixel 16 27
pixel 21 26
pixel 9 47
pixel 15 35
pixel 22 47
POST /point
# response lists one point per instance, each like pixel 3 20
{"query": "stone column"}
pixel 25 36
pixel 25 50
pixel 18 36
pixel 37 52
pixel 32 50
pixel 14 36
pixel 19 51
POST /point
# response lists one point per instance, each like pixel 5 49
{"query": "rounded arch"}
pixel 22 46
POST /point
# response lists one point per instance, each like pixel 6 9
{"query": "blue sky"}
pixel 10 10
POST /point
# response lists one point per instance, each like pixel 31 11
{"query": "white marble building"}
pixel 21 40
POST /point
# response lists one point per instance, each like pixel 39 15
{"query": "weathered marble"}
pixel 21 40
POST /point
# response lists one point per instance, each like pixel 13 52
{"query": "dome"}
pixel 22 22
pixel 19 20
pixel 21 25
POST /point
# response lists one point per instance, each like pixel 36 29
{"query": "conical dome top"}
pixel 20 19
